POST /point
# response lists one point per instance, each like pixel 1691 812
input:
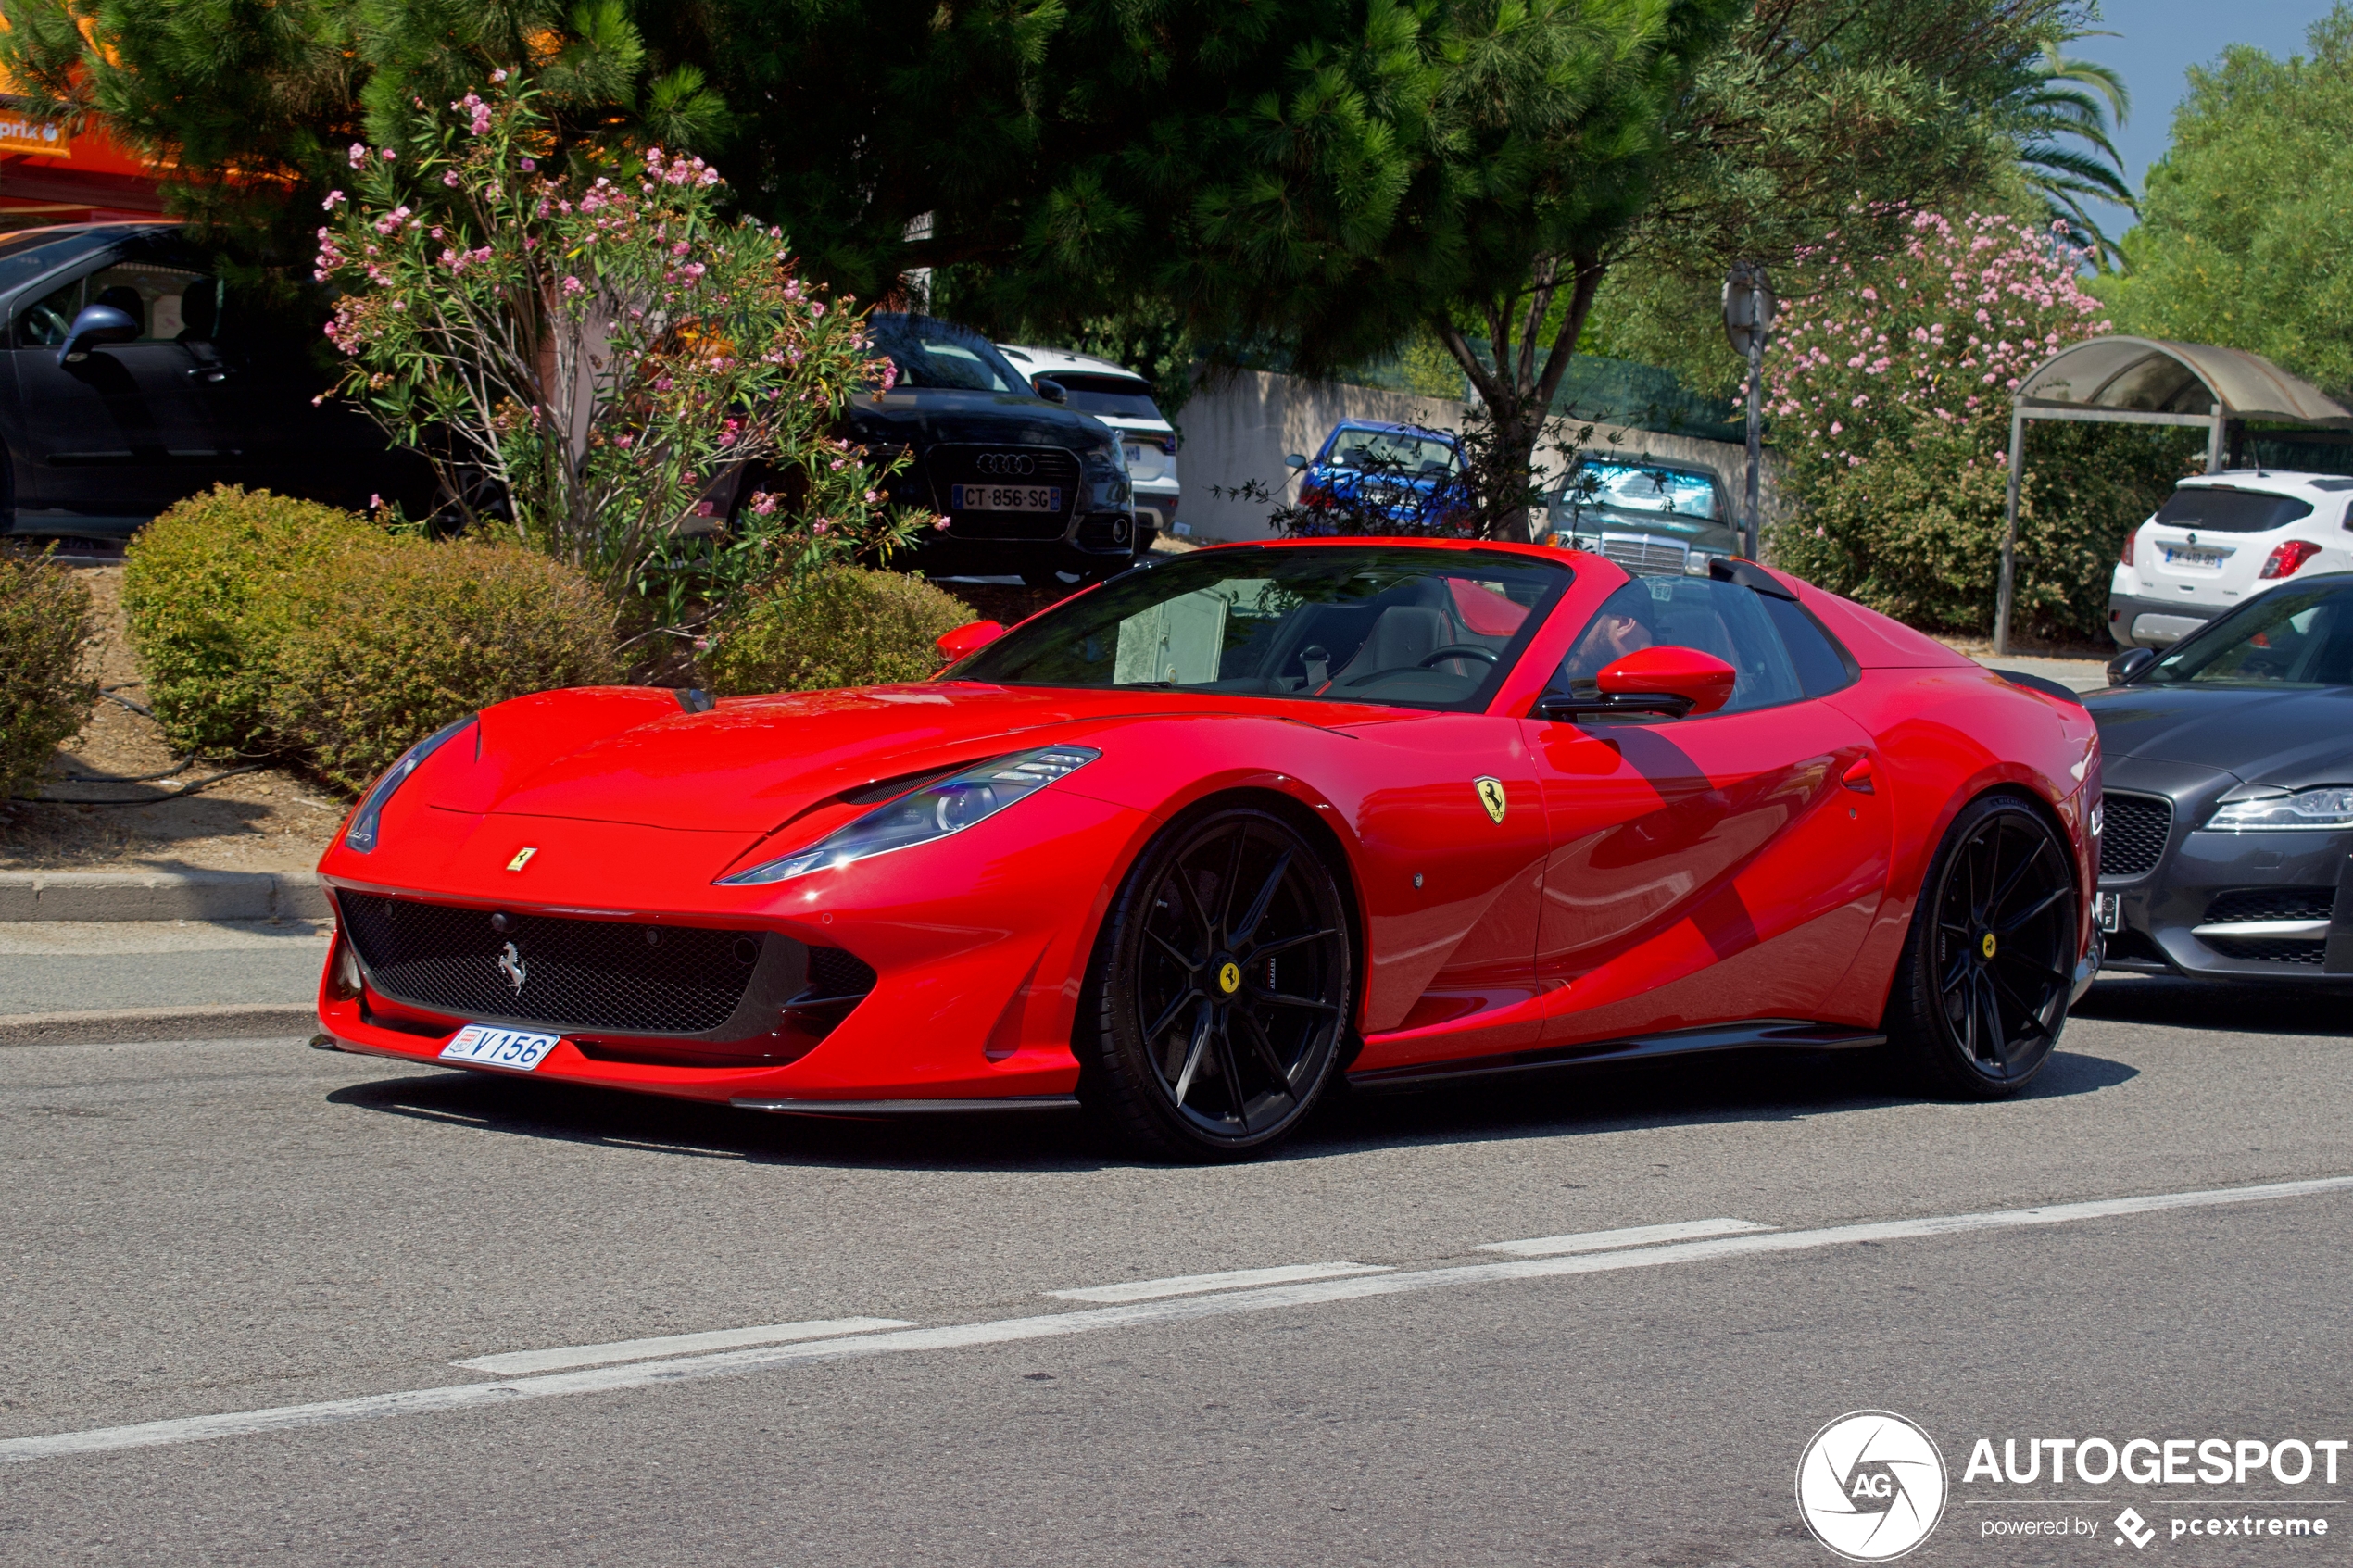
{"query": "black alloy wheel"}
pixel 1981 994
pixel 1222 988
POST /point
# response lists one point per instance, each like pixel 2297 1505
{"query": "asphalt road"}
pixel 78 966
pixel 206 1230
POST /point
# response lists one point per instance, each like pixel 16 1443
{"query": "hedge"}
pixel 208 592
pixel 838 626
pixel 45 655
pixel 389 646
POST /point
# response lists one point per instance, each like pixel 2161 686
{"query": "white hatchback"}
pixel 1122 399
pixel 2220 540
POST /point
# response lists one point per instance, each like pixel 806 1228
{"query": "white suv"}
pixel 2220 540
pixel 1122 399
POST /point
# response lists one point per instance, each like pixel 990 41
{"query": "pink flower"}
pixel 450 179
pixel 530 165
pixel 939 525
pixel 388 155
pixel 334 199
pixel 763 504
pixel 358 154
pixel 572 285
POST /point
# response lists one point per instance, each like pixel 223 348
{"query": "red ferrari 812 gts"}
pixel 1190 846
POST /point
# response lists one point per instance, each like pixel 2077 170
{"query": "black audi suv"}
pixel 1029 487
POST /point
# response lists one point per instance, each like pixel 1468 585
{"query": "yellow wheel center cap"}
pixel 1986 947
pixel 1229 978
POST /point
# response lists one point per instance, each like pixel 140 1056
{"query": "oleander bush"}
pixel 837 626
pixel 45 691
pixel 387 646
pixel 208 591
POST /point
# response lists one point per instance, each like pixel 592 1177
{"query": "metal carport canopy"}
pixel 2150 382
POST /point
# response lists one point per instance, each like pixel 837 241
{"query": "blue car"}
pixel 1390 478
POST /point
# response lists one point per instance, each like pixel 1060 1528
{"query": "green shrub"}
pixel 838 626
pixel 208 592
pixel 388 646
pixel 45 647
pixel 1915 530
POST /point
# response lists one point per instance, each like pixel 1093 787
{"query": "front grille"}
pixel 2269 949
pixel 1644 556
pixel 951 465
pixel 2132 833
pixel 2270 903
pixel 575 973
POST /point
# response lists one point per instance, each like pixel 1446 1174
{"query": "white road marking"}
pixel 1004 1330
pixel 515 1362
pixel 1633 1235
pixel 1233 1279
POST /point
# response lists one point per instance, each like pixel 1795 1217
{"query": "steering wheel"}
pixel 1457 650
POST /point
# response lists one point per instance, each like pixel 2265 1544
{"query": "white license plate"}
pixel 1004 498
pixel 2184 555
pixel 2111 912
pixel 478 1045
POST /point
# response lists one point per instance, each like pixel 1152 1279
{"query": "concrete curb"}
pixel 111 896
pixel 115 1026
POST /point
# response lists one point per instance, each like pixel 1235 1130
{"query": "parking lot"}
pixel 240 1274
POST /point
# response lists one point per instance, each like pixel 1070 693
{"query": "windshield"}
pixel 33 252
pixel 1390 451
pixel 930 352
pixel 1637 487
pixel 2289 637
pixel 1123 397
pixel 1414 628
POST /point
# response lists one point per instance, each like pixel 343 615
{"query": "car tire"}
pixel 1982 990
pixel 1222 989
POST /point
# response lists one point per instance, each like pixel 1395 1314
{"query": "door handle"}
pixel 208 374
pixel 1858 777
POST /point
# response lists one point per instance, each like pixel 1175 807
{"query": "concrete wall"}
pixel 1238 427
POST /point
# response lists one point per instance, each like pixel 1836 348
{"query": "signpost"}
pixel 1749 306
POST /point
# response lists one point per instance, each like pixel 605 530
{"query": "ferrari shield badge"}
pixel 1491 795
pixel 523 857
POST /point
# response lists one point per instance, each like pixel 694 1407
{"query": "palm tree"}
pixel 2062 119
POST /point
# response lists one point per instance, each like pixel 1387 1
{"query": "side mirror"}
pixel 97 323
pixel 1670 681
pixel 1050 390
pixel 969 638
pixel 2129 663
pixel 1294 460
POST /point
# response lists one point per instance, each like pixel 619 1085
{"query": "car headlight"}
pixel 360 836
pixel 2331 806
pixel 938 809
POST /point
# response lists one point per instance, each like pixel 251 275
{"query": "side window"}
pixel 1722 619
pixel 171 304
pixel 44 324
pixel 1821 666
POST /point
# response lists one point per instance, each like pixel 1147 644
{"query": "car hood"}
pixel 2288 738
pixel 922 416
pixel 752 764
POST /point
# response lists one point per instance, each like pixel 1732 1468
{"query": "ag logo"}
pixel 1871 1486
pixel 1491 795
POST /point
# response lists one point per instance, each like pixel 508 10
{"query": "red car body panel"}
pixel 1641 878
